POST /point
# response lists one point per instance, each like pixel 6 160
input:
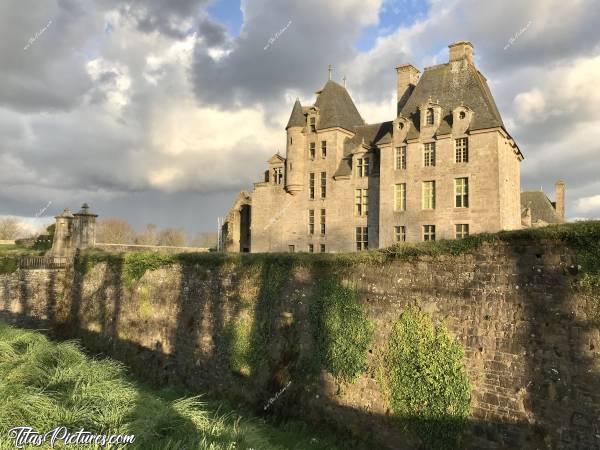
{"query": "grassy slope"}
pixel 44 384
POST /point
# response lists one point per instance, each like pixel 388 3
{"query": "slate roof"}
pixel 452 84
pixel 374 134
pixel 297 118
pixel 540 206
pixel 336 108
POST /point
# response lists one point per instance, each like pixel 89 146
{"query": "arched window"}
pixel 429 116
pixel 462 115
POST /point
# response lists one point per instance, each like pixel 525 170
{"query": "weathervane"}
pixel 330 69
pixel 344 79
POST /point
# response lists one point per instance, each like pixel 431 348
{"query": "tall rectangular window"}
pixel 323 149
pixel 400 233
pixel 311 221
pixel 362 167
pixel 429 154
pixel 322 248
pixel 361 202
pixel 278 175
pixel 462 150
pixel 292 248
pixel 461 192
pixel 400 197
pixel 323 184
pixel 313 124
pixel 429 232
pixel 362 238
pixel 311 185
pixel 429 195
pixel 311 248
pixel 462 230
pixel 400 158
pixel 311 150
pixel 322 221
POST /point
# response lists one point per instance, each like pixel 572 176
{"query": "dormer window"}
pixel 313 124
pixel 362 167
pixel 278 175
pixel 429 117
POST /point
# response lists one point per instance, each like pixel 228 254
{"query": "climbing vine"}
pixel 424 380
pixel 343 331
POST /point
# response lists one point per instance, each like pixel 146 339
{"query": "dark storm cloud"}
pixel 214 34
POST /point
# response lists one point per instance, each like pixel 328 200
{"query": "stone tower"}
pixel 295 154
pixel 61 244
pixel 84 228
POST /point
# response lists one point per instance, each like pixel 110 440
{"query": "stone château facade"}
pixel 443 168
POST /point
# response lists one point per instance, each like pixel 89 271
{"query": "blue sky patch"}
pixel 392 15
pixel 228 13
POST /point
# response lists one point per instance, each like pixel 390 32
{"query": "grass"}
pixel 44 384
pixel 16 250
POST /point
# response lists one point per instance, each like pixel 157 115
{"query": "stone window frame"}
pixel 312 124
pixel 322 248
pixel 322 221
pixel 311 248
pixel 362 238
pixel 400 233
pixel 428 195
pixel 311 221
pixel 429 117
pixel 400 190
pixel 361 202
pixel 311 185
pixel 429 154
pixel 278 175
pixel 461 152
pixel 363 166
pixel 461 192
pixel 324 149
pixel 312 150
pixel 428 233
pixel 400 157
pixel 461 230
pixel 323 185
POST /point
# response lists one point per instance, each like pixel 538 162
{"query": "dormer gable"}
pixel 430 114
pixel 461 120
pixel 276 172
pixel 402 126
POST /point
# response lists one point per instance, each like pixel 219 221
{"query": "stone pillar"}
pixel 62 243
pixel 84 228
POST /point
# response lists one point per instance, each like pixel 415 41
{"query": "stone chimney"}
pixel 408 76
pixel 461 50
pixel 559 188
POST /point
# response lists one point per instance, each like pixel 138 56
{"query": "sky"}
pixel 161 111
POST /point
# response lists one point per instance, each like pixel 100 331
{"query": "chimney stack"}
pixel 461 50
pixel 559 188
pixel 408 76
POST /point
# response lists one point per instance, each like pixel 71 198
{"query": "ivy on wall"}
pixel 343 331
pixel 424 380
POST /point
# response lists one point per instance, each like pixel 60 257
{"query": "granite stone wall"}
pixel 530 338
